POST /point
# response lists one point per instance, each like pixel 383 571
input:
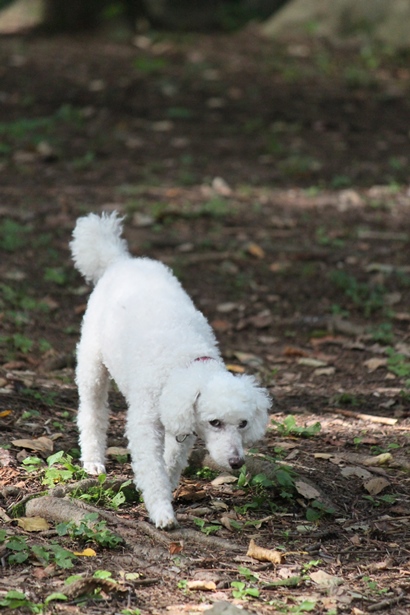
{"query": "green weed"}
pixel 317 510
pixel 47 398
pixel 289 427
pixel 399 365
pixel 207 528
pixel 346 399
pixel 206 473
pixel 325 238
pixel 21 551
pixel 380 500
pixel 382 333
pixel 26 132
pixel 84 162
pixel 56 275
pixel 241 591
pixel 149 66
pixel 13 235
pixel 368 298
pixel 90 531
pixel 102 495
pixel 282 478
pixel 17 600
pixel 61 469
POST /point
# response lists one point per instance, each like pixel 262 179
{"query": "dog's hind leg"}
pixel 176 456
pixel 93 411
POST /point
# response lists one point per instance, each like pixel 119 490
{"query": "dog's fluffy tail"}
pixel 97 244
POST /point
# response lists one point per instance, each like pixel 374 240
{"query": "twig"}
pixel 4 516
pixel 378 606
pixel 384 420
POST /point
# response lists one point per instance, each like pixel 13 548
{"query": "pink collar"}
pixel 204 359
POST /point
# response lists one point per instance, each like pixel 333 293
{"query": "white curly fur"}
pixel 142 329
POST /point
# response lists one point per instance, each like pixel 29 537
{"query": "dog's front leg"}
pixel 176 456
pixel 146 443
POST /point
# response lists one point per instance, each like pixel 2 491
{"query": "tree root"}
pixel 60 510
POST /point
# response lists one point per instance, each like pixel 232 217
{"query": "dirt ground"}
pixel 274 180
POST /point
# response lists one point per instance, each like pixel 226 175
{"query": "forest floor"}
pixel 274 180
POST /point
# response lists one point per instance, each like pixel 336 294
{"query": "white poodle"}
pixel 141 329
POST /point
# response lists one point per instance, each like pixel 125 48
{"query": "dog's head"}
pixel 228 412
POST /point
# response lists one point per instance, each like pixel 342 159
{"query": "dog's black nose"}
pixel 236 462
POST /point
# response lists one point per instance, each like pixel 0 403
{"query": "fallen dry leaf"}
pixel 292 351
pixel 355 471
pixel 378 460
pixel 117 451
pixel 41 444
pixel 175 547
pixel 322 578
pixel 224 479
pixel 307 490
pixel 262 554
pixel 255 250
pixel 376 485
pixel 88 552
pixel 375 363
pixel 209 586
pixel 33 524
pixel 238 369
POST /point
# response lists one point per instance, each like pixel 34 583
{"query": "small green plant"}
pixel 241 591
pixel 61 469
pixel 368 298
pixel 380 500
pixel 18 342
pixel 105 496
pixel 326 238
pixel 206 473
pixel 373 585
pixel 207 528
pixel 21 551
pixel 251 577
pixel 17 600
pixel 317 510
pixel 289 427
pixel 346 399
pixel 13 235
pixel 56 275
pixel 383 333
pixel 89 530
pixel 399 365
pixel 47 398
pixel 32 463
pixel 150 65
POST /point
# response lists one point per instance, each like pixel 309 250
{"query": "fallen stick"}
pixel 384 420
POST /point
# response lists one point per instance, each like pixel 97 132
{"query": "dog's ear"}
pixel 177 404
pixel 263 402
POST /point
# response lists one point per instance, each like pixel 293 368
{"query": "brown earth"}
pixel 274 180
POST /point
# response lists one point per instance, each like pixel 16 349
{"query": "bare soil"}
pixel 274 181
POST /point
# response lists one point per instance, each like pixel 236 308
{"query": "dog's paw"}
pixel 164 518
pixel 167 524
pixel 93 468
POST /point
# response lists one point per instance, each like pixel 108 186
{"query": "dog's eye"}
pixel 215 423
pixel 243 424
